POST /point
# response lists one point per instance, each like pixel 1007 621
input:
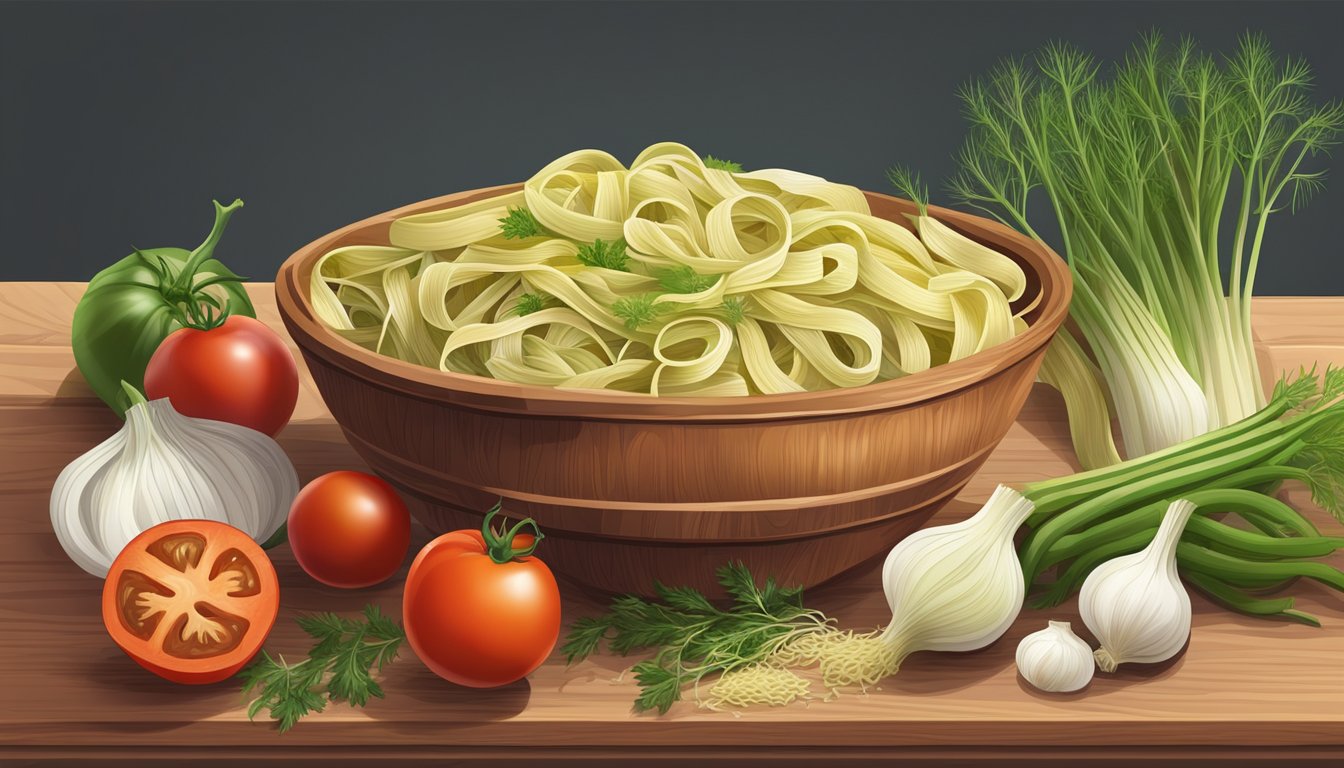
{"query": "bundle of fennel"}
pixel 1148 176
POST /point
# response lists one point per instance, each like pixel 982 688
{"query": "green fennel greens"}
pixel 1146 175
pixel 721 164
pixel 520 223
pixel 529 303
pixel 607 255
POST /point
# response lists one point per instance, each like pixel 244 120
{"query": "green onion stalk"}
pixel 1145 175
pixel 1083 520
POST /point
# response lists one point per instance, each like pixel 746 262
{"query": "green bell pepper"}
pixel 131 307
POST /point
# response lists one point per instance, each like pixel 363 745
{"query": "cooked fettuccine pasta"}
pixel 671 278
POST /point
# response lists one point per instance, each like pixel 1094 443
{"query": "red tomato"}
pixel 191 600
pixel 479 610
pixel 349 529
pixel 240 372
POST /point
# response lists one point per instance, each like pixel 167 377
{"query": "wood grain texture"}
pixel 635 489
pixel 1245 692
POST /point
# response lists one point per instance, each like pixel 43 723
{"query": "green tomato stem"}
pixel 181 287
pixel 499 546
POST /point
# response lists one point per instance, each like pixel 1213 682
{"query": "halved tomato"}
pixel 191 600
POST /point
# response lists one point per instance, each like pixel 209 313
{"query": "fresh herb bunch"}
pixel 734 309
pixel 339 667
pixel 529 303
pixel 638 311
pixel 691 637
pixel 711 161
pixel 683 279
pixel 609 254
pixel 520 223
pixel 1149 175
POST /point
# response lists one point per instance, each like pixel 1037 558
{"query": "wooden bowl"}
pixel 629 489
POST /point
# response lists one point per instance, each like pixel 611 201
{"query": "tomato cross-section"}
pixel 191 600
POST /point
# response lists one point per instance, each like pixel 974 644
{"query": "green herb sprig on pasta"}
pixel 675 277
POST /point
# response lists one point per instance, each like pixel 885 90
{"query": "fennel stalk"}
pixel 1146 174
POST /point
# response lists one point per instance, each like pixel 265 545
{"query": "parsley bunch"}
pixel 339 667
pixel 611 254
pixel 691 636
pixel 519 224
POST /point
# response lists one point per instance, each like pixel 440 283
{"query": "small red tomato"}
pixel 239 372
pixel 348 529
pixel 479 610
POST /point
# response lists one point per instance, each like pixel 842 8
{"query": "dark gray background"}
pixel 120 121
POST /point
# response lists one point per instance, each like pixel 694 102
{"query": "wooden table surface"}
pixel 1246 690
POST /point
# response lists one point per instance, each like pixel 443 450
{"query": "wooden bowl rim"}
pixel 1049 306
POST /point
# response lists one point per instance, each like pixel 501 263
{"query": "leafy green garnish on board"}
pixel 520 223
pixel 711 161
pixel 608 254
pixel 339 667
pixel 691 636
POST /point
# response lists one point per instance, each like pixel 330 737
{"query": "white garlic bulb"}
pixel 1056 660
pixel 1135 604
pixel 957 587
pixel 165 466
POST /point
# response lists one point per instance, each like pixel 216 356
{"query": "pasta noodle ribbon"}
pixel 671 278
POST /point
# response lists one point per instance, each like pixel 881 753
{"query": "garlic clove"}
pixel 1135 604
pixel 1055 660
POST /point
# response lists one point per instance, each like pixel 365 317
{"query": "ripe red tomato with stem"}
pixel 480 609
pixel 228 368
pixel 349 529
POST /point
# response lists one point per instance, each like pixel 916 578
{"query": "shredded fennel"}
pixel 844 660
pixel 670 277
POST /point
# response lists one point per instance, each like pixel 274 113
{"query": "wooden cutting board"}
pixel 1246 690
